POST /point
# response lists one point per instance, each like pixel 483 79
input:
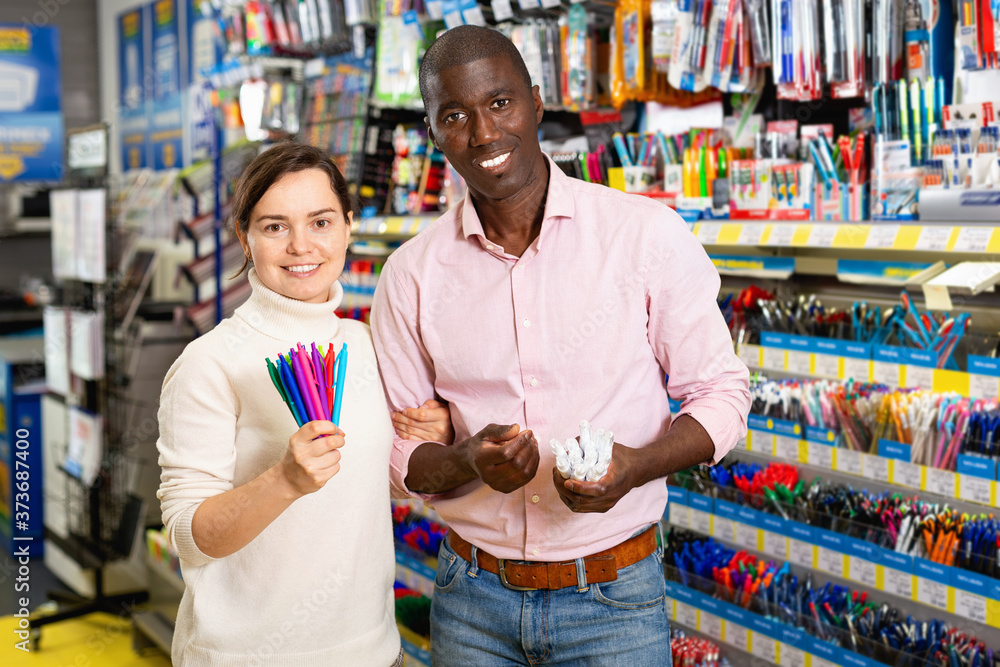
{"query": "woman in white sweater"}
pixel 285 543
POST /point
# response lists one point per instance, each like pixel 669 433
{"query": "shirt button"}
pixel 535 498
pixel 533 382
pixel 534 552
pixel 527 323
pixel 489 246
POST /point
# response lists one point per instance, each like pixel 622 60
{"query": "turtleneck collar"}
pixel 289 320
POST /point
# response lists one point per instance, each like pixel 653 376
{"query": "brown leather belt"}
pixel 521 575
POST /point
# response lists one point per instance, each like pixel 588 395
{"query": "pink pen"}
pixel 943 430
pixel 310 382
pixel 302 382
pixel 319 376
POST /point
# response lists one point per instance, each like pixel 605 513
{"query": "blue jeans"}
pixel 476 620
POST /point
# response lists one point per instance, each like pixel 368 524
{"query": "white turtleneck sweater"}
pixel 315 587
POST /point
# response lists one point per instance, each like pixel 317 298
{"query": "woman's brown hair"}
pixel 267 168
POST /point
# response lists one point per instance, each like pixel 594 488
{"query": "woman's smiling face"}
pixel 298 236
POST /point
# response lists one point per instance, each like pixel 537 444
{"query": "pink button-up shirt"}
pixel 613 296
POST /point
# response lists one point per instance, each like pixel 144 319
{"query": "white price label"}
pixel 862 571
pixel 723 528
pixel 820 455
pixel 800 553
pixel 971 606
pixel 550 4
pixel 973 239
pixel 774 358
pixel 975 489
pixel 775 545
pixel 941 482
pixel 984 386
pixel 932 593
pixel 898 583
pixel 791 656
pixel 820 662
pixel 906 474
pixel 750 355
pixel 857 370
pixel 781 234
pixel 502 10
pixel 918 376
pixel 738 636
pixel 934 238
pixel 822 235
pixel 826 365
pixel 528 4
pixel 701 522
pixel 711 625
pixel 885 372
pixel 849 461
pixel 831 561
pixel 786 447
pixel 746 536
pixel 750 233
pixel 799 362
pixel 687 615
pixel 874 467
pixel 708 232
pixel 882 236
pixel 764 648
pixel 680 515
pixel 762 443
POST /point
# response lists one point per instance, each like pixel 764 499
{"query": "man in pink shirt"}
pixel 538 302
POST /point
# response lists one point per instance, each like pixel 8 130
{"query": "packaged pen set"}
pixel 788 600
pixel 979 34
pixel 291 26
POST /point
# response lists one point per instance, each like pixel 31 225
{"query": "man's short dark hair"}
pixel 466 44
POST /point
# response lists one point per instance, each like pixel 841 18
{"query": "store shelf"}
pixel 393 227
pixel 804 362
pixel 416 649
pixel 927 237
pixel 963 593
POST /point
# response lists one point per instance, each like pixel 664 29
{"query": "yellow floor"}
pixel 97 640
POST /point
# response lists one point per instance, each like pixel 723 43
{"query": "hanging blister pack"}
pixel 758 31
pixel 663 14
pixel 686 70
pixel 845 25
pixel 579 60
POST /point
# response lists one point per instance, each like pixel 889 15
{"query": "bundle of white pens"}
pixel 587 459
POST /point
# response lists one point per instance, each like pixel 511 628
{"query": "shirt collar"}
pixel 559 202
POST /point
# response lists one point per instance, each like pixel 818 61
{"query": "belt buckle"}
pixel 503 578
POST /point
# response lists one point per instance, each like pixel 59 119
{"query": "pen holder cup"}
pixel 639 179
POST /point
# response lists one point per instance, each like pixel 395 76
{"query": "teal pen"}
pixel 904 112
pixel 939 103
pixel 293 391
pixel 339 392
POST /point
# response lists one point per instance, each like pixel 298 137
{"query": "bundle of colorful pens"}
pixel 911 113
pixel 741 308
pixel 938 334
pixel 694 651
pixel 843 169
pixel 311 382
pixel 417 531
pixel 833 613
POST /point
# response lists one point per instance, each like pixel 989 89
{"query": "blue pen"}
pixel 339 392
pixel 293 390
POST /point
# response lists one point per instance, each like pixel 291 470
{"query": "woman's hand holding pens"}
pixel 313 456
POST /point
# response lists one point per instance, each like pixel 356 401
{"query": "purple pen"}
pixel 302 380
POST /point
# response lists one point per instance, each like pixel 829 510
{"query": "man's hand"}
pixel 504 457
pixel 602 495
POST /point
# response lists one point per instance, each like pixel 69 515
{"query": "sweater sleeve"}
pixel 197 443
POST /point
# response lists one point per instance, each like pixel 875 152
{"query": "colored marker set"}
pixel 311 382
pixel 832 613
